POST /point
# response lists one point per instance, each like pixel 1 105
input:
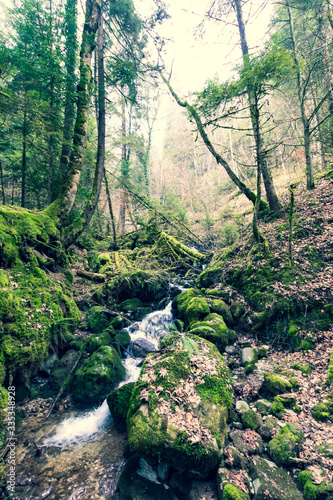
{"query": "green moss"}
pixel 185 447
pixel 214 322
pixel 330 368
pixel 251 419
pixel 97 320
pixel 196 310
pixel 277 409
pixel 130 305
pixel 221 308
pixel 237 309
pixel 294 382
pixel 250 368
pixel 286 444
pixel 4 278
pixel 216 390
pixel 262 352
pixel 322 412
pixel 276 385
pixel 119 402
pixel 232 492
pixel 305 369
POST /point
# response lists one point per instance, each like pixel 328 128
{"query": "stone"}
pixel 248 356
pixel 61 370
pixel 242 406
pixel 141 347
pixel 163 471
pixel 118 402
pixel 49 364
pixel 174 412
pixel 130 305
pixel 214 329
pixel 139 480
pixel 98 375
pixel 228 483
pixel 272 482
pixel 269 428
pixel 196 310
pixel 234 458
pixel 180 483
pixel 251 419
pixel 221 308
pixel 286 444
pixel 248 441
pixel 276 385
pixel 263 406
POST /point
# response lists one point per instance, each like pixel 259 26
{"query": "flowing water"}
pixel 80 456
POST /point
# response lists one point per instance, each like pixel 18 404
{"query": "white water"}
pixel 86 426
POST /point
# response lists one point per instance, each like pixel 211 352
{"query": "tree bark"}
pixel 301 99
pixel 24 154
pixel 195 116
pixel 74 231
pixel 261 161
pixel 71 44
pixel 2 185
pixel 111 212
pixel 62 205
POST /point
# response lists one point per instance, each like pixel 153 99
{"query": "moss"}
pixel 294 382
pixel 196 309
pixel 237 309
pixel 322 412
pixel 232 492
pixel 286 444
pixel 221 308
pixel 250 368
pixel 305 369
pixel 276 385
pixel 97 320
pixel 330 368
pixel 251 419
pixel 217 324
pixel 278 409
pixel 262 352
pixel 4 278
pixel 119 402
pixel 216 390
pixel 130 305
pixel 98 375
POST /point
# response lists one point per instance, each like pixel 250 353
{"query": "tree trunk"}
pixel 73 232
pixel 301 99
pixel 24 154
pixel 51 147
pixel 2 185
pixel 71 44
pixel 111 212
pixel 195 116
pixel 62 205
pixel 272 198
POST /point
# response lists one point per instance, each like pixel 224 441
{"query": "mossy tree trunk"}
pixel 62 205
pixel 74 231
pixel 114 232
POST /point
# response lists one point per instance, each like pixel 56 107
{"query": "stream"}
pixel 79 455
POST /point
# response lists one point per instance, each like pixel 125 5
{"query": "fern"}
pixel 190 346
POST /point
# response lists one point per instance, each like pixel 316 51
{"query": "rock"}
pixel 286 444
pixel 272 482
pixel 141 347
pixel 214 329
pixel 248 356
pixel 139 481
pixel 180 483
pixel 221 308
pixel 163 471
pixel 97 319
pixel 228 483
pixel 177 414
pixel 196 310
pixel 275 384
pixel 251 419
pixel 263 406
pixel 237 309
pixel 242 407
pixel 262 352
pixel 98 375
pixel 234 459
pixel 269 428
pixel 61 370
pixel 248 442
pixel 118 402
pixel 181 301
pixel 312 491
pixel 202 490
pixel 49 365
pixel 230 349
pixel 130 305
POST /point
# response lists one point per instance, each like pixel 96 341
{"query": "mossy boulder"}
pixel 61 369
pixel 179 405
pixel 228 485
pixel 286 444
pixel 237 309
pixel 97 319
pixel 118 402
pixel 146 285
pixel 271 482
pixel 269 428
pixel 251 419
pixel 181 301
pixel 277 385
pixel 221 308
pixel 98 375
pixel 214 329
pixel 263 406
pixel 196 310
pixel 248 442
pixel 312 491
pixel 130 305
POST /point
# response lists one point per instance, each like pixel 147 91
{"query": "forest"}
pixel 166 251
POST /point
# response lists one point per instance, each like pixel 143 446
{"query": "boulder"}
pixel 277 385
pixel 286 444
pixel 139 480
pixel 179 406
pixel 196 310
pixel 181 301
pixel 248 442
pixel 242 406
pixel 214 329
pixel 141 347
pixel 221 308
pixel 229 483
pixel 97 319
pixel 248 356
pixel 49 364
pixel 118 402
pixel 98 375
pixel 251 419
pixel 271 482
pixel 61 370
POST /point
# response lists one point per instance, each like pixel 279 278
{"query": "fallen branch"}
pixel 95 277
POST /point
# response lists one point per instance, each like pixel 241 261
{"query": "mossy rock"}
pixel 118 402
pixel 322 491
pixel 130 305
pixel 278 409
pixel 214 329
pixel 196 310
pixel 146 285
pixel 247 442
pixel 251 419
pixel 211 275
pixel 181 301
pixel 227 488
pixel 276 385
pixel 61 370
pixel 305 369
pixel 98 375
pixel 221 308
pixel 322 412
pixel 94 342
pixel 263 406
pixel 272 482
pixel 97 320
pixel 330 368
pixel 237 309
pixel 172 394
pixel 269 428
pixel 286 444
